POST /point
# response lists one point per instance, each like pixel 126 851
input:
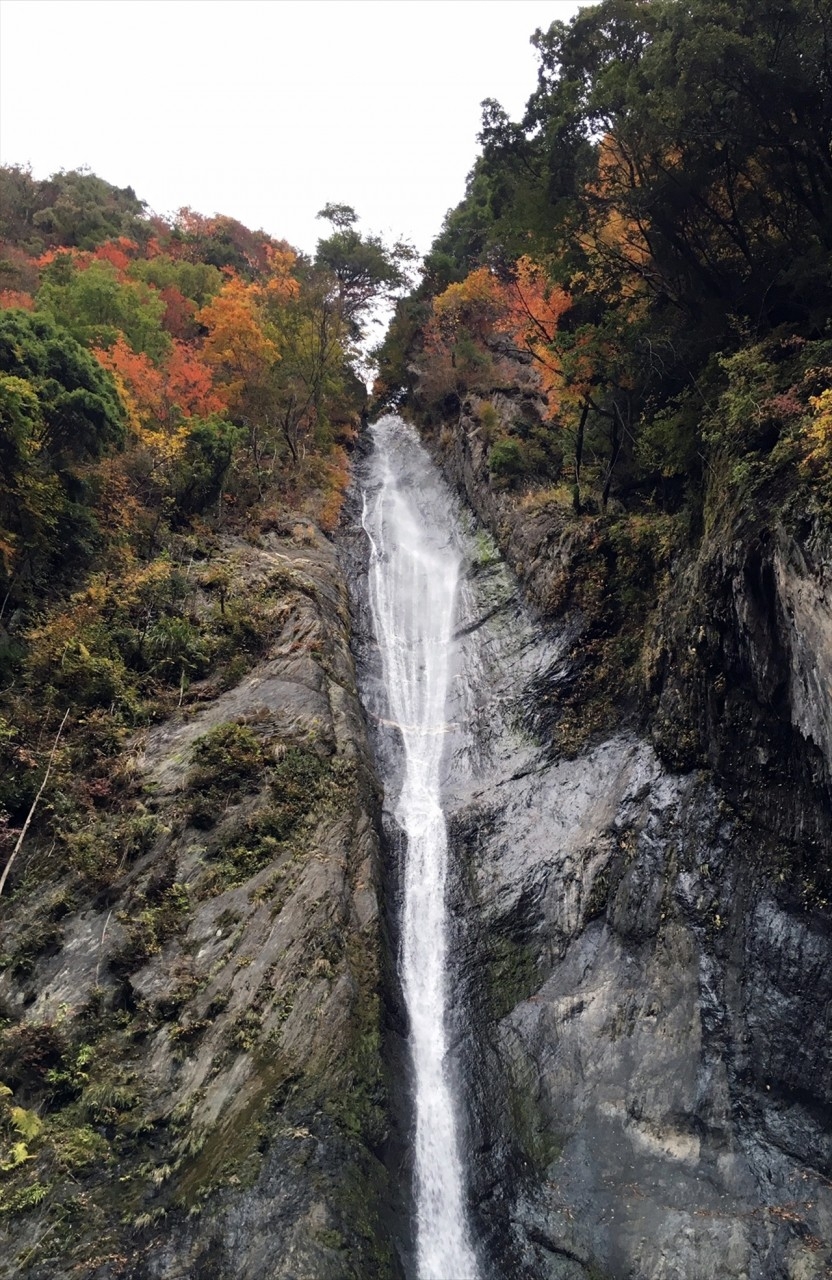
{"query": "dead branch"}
pixel 16 850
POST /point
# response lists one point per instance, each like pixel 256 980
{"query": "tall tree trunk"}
pixel 616 440
pixel 579 457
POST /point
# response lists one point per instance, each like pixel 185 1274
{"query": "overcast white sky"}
pixel 267 109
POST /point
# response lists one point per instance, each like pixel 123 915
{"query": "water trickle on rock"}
pixel 414 576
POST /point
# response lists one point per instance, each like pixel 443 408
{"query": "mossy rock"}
pixel 511 974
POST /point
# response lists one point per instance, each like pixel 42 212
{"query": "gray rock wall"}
pixel 227 987
pixel 648 952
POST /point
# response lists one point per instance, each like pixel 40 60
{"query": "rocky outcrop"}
pixel 201 1040
pixel 804 595
pixel 648 950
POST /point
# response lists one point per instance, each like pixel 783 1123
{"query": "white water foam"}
pixel 414 576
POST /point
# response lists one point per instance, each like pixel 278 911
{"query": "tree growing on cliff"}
pixel 363 269
pixel 59 412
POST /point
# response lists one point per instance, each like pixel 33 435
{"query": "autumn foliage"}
pixel 664 202
pixel 161 382
pixel 170 390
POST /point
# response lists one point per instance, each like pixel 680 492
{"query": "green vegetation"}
pixel 626 321
pixel 95 305
pixel 75 209
pixel 626 318
pixel 177 398
pixel 227 762
pixel 626 240
pixel 59 411
pixel 231 760
pixel 162 384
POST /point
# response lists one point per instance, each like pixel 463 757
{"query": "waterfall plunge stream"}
pixel 414 575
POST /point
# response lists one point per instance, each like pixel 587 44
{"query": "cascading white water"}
pixel 414 572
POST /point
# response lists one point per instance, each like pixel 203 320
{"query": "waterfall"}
pixel 414 575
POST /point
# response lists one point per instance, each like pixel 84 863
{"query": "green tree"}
pixel 199 281
pixel 201 469
pixel 311 373
pixel 59 411
pixel 94 305
pixel 75 209
pixel 364 270
pixel 721 115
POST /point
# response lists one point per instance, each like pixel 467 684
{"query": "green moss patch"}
pixel 511 974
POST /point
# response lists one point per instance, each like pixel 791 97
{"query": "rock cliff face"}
pixel 641 941
pixel 648 952
pixel 201 1039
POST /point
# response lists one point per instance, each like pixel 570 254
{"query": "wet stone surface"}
pixel 647 1052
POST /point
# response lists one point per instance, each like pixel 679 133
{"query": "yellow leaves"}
pixel 233 324
pixel 239 344
pixel 278 289
pixel 818 436
pixel 614 170
pixel 125 394
pixel 625 235
pixel 241 338
pixel 167 446
pixel 337 478
pixel 145 583
pixel 281 285
pixel 18 1153
pixel 821 429
pixel 20 409
pixel 615 242
pixel 478 288
pixel 7 550
pixel 474 303
pixel 50 643
pixel 27 1123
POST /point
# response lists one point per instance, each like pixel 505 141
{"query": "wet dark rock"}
pixel 648 950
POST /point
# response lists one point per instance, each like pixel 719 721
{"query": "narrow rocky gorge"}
pixel 638 941
pixel 416 646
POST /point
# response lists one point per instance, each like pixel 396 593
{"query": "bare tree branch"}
pixel 30 814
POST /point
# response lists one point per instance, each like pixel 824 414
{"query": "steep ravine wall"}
pixel 649 952
pixel 641 942
pixel 202 1036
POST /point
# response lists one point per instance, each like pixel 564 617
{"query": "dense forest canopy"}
pixel 186 357
pixel 652 235
pixel 161 381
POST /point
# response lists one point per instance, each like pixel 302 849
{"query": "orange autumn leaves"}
pixel 616 244
pixel 211 374
pixel 523 311
pixel 213 347
pixel 219 347
pixel 238 346
pixel 478 323
pixel 160 397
